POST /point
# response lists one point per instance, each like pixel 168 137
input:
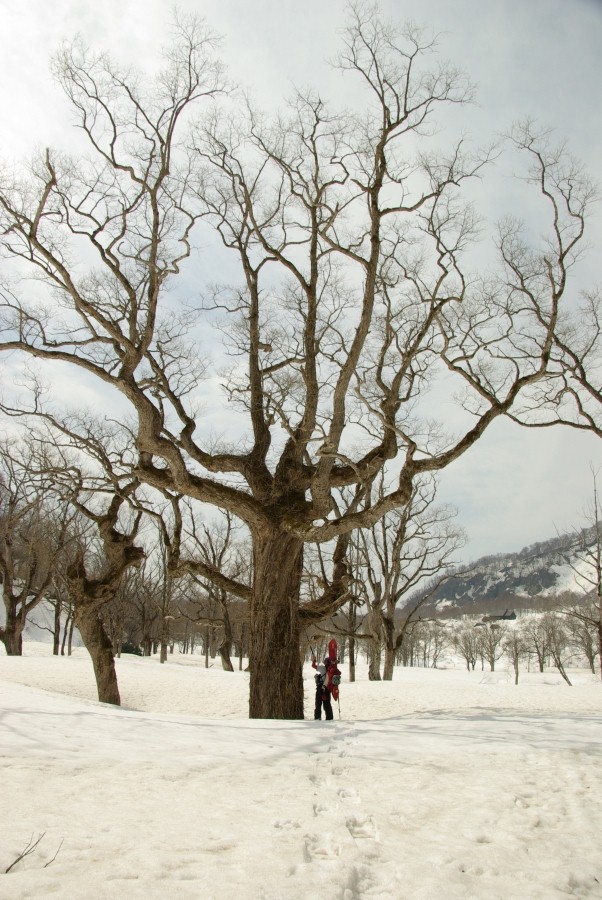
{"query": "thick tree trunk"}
pixel 100 648
pixel 375 643
pixel 163 651
pixel 12 633
pixel 390 642
pixel 276 684
pixel 375 651
pixel 390 653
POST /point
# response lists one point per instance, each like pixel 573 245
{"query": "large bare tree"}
pixel 348 292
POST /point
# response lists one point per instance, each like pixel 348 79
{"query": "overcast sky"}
pixel 535 57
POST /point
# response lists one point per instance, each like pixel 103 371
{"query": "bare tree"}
pixel 141 619
pixel 164 591
pixel 536 638
pixel 93 583
pixel 491 643
pixel 465 640
pixel 396 555
pixel 424 643
pixel 516 646
pixel 210 558
pixel 216 546
pixel 586 562
pixel 351 236
pixel 557 642
pixel 33 532
pixel 89 473
pixel 582 626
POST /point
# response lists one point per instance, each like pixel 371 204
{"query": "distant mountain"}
pixel 533 578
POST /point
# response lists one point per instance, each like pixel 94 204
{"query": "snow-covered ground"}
pixel 441 784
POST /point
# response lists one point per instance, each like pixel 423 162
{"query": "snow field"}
pixel 440 784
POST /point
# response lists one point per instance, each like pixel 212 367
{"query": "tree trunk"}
pixel 71 630
pixel 66 631
pixel 12 633
pixel 351 659
pixel 352 627
pixel 56 637
pixel 560 666
pixel 100 648
pixel 276 684
pixel 225 647
pixel 224 652
pixel 389 665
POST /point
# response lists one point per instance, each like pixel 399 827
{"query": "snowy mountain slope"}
pixel 535 576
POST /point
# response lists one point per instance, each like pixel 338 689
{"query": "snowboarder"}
pixel 328 678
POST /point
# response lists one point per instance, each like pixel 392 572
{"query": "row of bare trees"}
pixel 558 639
pixel 348 292
pixel 53 546
pixel 88 541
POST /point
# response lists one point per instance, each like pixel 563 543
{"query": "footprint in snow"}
pixel 349 794
pixel 287 823
pixel 321 846
pixel 362 827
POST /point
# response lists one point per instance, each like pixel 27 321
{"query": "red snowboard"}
pixel 333 649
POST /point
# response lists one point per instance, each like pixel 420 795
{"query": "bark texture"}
pixel 100 648
pixel 276 684
pixel 12 633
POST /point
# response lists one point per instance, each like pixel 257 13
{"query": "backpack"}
pixel 320 675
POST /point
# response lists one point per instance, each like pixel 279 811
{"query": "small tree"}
pixel 582 626
pixel 465 641
pixel 88 474
pixel 557 641
pixel 536 638
pixel 429 640
pixel 216 547
pixel 491 642
pixel 93 581
pixel 516 647
pixel 393 557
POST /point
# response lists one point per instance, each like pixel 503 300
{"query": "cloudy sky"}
pixel 535 57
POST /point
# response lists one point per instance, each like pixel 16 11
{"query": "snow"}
pixel 441 784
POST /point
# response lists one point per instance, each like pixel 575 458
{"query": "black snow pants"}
pixel 323 700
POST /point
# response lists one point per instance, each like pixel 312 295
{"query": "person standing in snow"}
pixel 328 678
